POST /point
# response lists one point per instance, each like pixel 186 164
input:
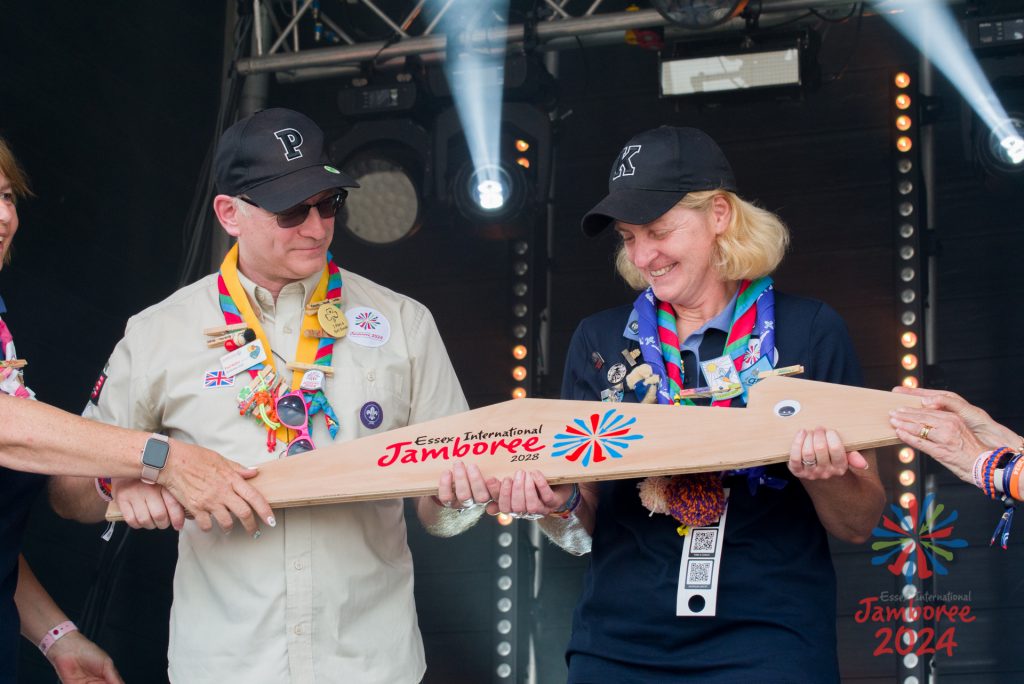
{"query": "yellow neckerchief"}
pixel 305 351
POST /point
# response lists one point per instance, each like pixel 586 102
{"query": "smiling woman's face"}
pixel 8 219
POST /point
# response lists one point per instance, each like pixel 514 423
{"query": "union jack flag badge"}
pixel 218 378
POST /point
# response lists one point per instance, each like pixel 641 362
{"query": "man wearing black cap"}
pixel 325 594
pixel 717 577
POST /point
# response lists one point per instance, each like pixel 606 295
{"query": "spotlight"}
pixel 909 339
pixel 492 194
pixel 906 455
pixel 902 79
pixel 519 393
pixel 909 361
pixel 910 381
pixel 904 143
pixel 524 162
pixel 390 160
pixel 906 499
pixel 903 122
pixel 907 478
pixel 519 351
pixel 1001 150
pixel 522 145
pixel 902 101
pixel 519 373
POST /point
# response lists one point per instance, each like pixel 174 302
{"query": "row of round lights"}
pixel 520 311
pixel 910 358
pixel 503 606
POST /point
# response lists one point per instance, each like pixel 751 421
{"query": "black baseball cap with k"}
pixel 276 158
pixel 654 171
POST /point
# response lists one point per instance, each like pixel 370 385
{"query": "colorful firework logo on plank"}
pixel 917 541
pixel 595 439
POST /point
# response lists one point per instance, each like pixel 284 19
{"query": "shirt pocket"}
pixel 370 400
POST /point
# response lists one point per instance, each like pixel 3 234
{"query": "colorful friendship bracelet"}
pixel 566 510
pixel 103 489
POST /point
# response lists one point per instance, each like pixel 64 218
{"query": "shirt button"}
pixel 371 376
pixel 298 630
pixel 297 564
pixel 288 330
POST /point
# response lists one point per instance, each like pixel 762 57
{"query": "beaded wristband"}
pixel 55 633
pixel 566 510
pixel 979 467
pixel 103 489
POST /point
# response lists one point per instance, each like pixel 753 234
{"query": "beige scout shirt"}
pixel 326 596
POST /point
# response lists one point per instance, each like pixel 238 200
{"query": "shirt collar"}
pixel 265 300
pixel 722 321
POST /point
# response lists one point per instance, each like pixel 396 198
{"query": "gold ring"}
pixel 925 429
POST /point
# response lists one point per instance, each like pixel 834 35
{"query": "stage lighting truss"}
pixel 387 34
pixel 712 68
pixel 390 159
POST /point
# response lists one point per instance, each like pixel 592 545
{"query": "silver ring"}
pixel 468 503
pixel 526 516
pixel 809 464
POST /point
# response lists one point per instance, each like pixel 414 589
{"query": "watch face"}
pixel 155 453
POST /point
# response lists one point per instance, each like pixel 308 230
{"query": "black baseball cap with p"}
pixel 654 171
pixel 276 158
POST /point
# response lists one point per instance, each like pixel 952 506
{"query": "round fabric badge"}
pixel 617 373
pixel 367 327
pixel 371 415
pixel 634 327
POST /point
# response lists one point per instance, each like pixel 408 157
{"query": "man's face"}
pixel 273 256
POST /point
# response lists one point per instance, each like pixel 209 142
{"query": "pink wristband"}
pixel 56 633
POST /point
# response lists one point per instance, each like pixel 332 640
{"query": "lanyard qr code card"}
pixel 697 595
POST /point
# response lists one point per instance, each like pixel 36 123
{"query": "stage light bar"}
pixel 744 71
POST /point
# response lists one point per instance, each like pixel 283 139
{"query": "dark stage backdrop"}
pixel 114 144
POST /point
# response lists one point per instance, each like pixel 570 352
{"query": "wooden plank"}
pixel 580 441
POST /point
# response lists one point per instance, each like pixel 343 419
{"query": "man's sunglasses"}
pixel 295 216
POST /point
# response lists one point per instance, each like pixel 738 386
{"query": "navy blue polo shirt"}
pixel 776 619
pixel 17 491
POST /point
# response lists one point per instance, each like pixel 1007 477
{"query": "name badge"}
pixel 701 562
pixel 243 358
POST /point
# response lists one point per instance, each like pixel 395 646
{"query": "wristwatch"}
pixel 154 456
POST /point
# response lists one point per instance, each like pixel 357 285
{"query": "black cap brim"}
pixel 285 192
pixel 629 205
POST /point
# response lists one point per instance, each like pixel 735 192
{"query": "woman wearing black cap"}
pixel 752 595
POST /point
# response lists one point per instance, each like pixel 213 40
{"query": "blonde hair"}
pixel 751 246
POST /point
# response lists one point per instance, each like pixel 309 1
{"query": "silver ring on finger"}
pixel 809 464
pixel 468 503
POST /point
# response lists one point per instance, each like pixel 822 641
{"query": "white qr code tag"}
pixel 699 567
